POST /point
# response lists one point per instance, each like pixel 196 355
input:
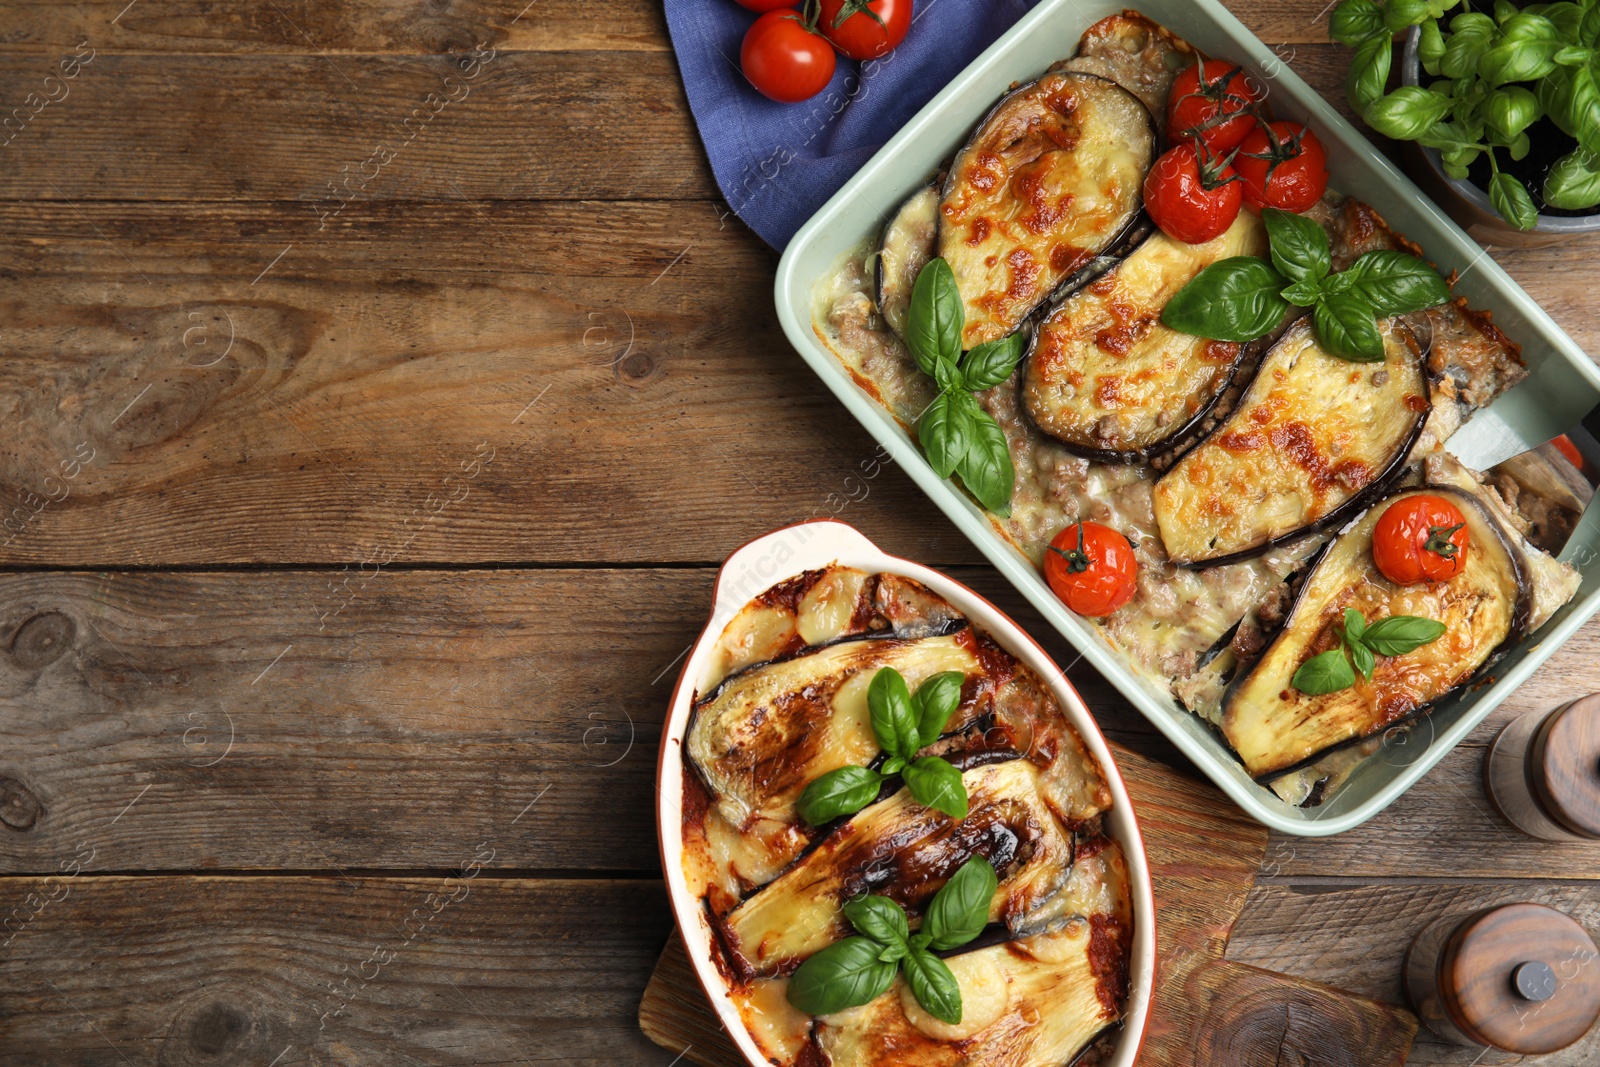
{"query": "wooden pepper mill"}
pixel 1543 772
pixel 1521 978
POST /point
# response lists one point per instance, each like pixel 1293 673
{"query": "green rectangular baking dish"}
pixel 1562 386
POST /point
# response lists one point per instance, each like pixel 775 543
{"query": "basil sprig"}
pixel 958 436
pixel 1495 75
pixel 903 725
pixel 852 972
pixel 1244 297
pixel 1359 644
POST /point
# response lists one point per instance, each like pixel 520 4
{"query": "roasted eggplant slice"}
pixel 905 851
pixel 1312 438
pixel 767 732
pixel 1050 180
pixel 910 239
pixel 1273 726
pixel 1139 55
pixel 1037 1000
pixel 1107 378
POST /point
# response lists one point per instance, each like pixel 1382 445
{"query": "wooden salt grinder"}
pixel 1521 978
pixel 1543 772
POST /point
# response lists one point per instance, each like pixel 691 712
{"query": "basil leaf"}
pixel 1327 673
pixel 846 974
pixel 1399 634
pixel 945 432
pixel 1567 17
pixel 1346 328
pixel 879 918
pixel 947 375
pixel 1522 60
pixel 1235 299
pixel 1471 34
pixel 1503 10
pixel 1403 14
pixel 844 791
pixel 894 723
pixel 1512 109
pixel 920 940
pixel 1355 624
pixel 960 909
pixel 1394 283
pixel 1361 656
pixel 1521 146
pixel 1571 97
pixel 992 362
pixel 1304 294
pixel 1589 31
pixel 1369 71
pixel 985 467
pixel 1407 113
pixel 1512 201
pixel 1430 46
pixel 935 317
pixel 1353 21
pixel 1299 246
pixel 894 952
pixel 1573 182
pixel 936 784
pixel 892 765
pixel 933 985
pixel 935 701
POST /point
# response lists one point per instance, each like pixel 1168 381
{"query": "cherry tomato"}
pixel 1091 568
pixel 1283 165
pixel 784 60
pixel 1212 103
pixel 1191 198
pixel 865 29
pixel 1565 446
pixel 768 5
pixel 1422 537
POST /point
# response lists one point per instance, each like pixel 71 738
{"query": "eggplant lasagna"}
pixel 786 702
pixel 1230 467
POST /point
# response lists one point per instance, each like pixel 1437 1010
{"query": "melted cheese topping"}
pixel 1310 433
pixel 1050 179
pixel 1106 374
pixel 1053 1008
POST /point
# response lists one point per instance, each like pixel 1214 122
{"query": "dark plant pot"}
pixel 1464 201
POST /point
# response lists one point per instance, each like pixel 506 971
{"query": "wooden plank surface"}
pixel 464 968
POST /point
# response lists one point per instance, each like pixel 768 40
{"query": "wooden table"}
pixel 375 412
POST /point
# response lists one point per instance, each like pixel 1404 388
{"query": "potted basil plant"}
pixel 1503 102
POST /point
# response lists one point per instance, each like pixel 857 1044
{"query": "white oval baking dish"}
pixel 784 554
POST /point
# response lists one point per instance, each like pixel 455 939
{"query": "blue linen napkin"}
pixel 776 164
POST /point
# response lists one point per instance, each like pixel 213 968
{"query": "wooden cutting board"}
pixel 1208 1012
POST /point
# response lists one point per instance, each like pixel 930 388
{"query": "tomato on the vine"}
pixel 865 29
pixel 1211 101
pixel 784 59
pixel 764 6
pixel 1283 165
pixel 1092 568
pixel 1420 538
pixel 1191 195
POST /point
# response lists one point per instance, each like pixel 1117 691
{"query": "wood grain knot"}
pixel 41 640
pixel 636 367
pixel 19 808
pixel 221 1027
pixel 1280 1027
